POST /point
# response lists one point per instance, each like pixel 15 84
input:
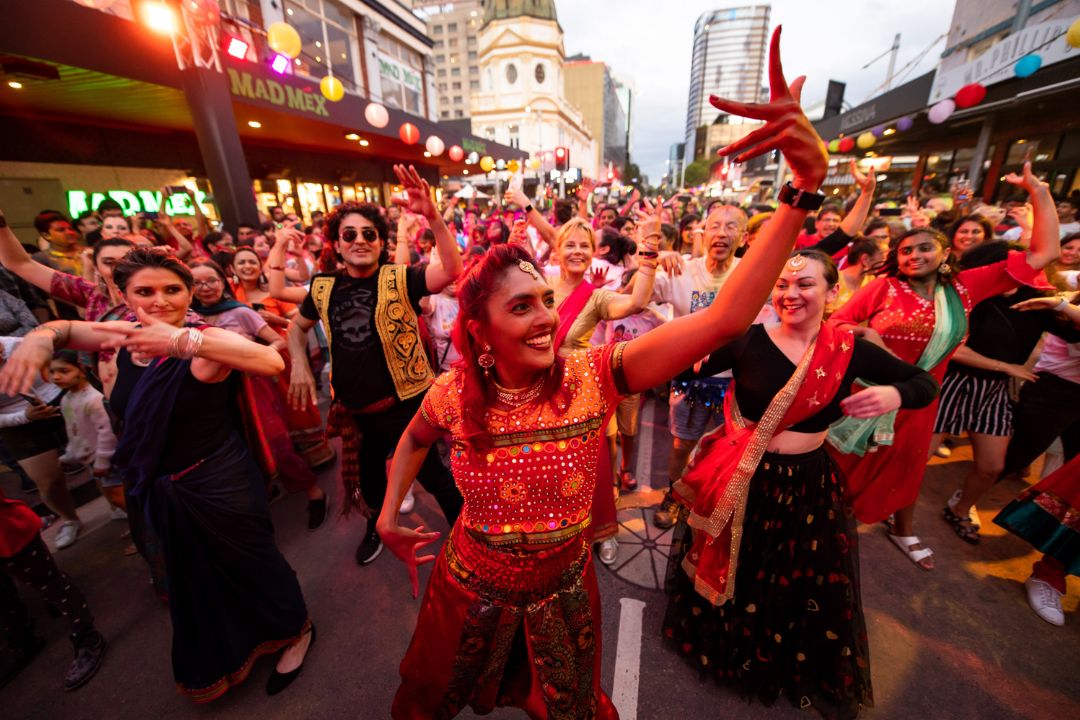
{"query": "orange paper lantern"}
pixel 456 153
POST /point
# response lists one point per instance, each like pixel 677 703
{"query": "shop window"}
pixel 328 34
pixel 1040 148
pixel 1069 148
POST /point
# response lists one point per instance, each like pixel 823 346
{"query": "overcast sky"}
pixel 649 43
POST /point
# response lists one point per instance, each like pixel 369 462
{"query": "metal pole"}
pixel 562 184
pixel 892 61
pixel 1023 11
pixel 629 105
pixel 979 155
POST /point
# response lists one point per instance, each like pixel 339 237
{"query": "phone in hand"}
pixel 890 212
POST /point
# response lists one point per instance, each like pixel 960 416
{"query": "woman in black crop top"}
pixel 232 595
pixel 779 610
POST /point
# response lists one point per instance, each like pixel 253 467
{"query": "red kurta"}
pixel 882 482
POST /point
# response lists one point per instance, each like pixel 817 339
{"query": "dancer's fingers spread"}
pixel 756 111
pixel 796 88
pixel 778 87
pixel 755 137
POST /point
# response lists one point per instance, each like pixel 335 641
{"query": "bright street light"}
pixel 159 17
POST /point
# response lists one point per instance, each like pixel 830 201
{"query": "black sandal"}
pixel 962 526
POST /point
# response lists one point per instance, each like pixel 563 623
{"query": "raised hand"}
pixel 26 363
pixel 648 223
pixel 867 182
pixel 517 233
pixel 1023 215
pixel 515 196
pixel 405 543
pixel 786 127
pixel 1027 180
pixel 598 276
pixel 418 191
pixel 585 188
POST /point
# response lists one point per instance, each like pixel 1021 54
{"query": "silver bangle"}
pixel 1062 304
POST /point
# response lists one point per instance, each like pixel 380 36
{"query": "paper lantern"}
pixel 434 145
pixel 456 153
pixel 331 88
pixel 409 134
pixel 533 163
pixel 377 115
pixel 904 124
pixel 1027 65
pixel 472 159
pixel 500 164
pixel 866 140
pixel 970 95
pixel 942 111
pixel 878 131
pixel 487 164
pixel 834 146
pixel 283 39
pixel 1072 36
pixel 847 145
pixel 513 166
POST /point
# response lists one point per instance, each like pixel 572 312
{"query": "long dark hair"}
pixel 141 258
pixel 474 288
pixel 226 289
pixel 988 229
pixel 263 281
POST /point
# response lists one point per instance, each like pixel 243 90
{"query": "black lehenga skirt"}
pixel 232 595
pixel 795 625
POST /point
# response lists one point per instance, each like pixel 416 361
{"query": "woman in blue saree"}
pixel 232 596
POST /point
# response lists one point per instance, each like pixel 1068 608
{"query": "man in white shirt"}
pixel 1067 222
pixel 691 285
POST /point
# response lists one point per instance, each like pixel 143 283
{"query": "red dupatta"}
pixel 716 483
pixel 570 308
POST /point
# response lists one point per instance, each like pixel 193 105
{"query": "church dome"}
pixel 510 9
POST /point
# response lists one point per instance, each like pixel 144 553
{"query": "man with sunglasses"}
pixel 369 312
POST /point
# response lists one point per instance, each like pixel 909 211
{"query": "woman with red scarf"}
pixel 763 575
pixel 511 615
pixel 919 312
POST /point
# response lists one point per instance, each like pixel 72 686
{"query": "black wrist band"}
pixel 801 199
pixel 529 208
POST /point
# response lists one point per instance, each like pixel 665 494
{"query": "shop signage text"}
pixel 469 145
pixel 271 91
pixel 996 64
pixel 390 68
pixel 858 117
pixel 79 201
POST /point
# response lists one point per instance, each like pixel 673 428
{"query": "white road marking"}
pixel 628 658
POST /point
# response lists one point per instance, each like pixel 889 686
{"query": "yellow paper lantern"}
pixel 283 39
pixel 1073 35
pixel 866 140
pixel 513 166
pixel 331 88
pixel 487 163
pixel 834 146
pixel 533 163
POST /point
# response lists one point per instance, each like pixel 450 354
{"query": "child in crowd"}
pixel 91 440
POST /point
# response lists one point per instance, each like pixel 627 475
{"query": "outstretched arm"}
pixel 661 353
pixel 275 269
pixel 1045 231
pixel 35 352
pixel 437 276
pixel 854 221
pixel 14 257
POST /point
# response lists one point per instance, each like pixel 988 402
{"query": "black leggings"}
pixel 34 566
pixel 1048 408
pixel 380 433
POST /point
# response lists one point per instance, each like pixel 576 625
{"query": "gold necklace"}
pixel 517 398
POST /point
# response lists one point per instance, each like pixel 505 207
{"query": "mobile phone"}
pixel 32 399
pixel 257 306
pixel 890 212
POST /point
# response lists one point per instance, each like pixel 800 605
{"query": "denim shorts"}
pixel 690 415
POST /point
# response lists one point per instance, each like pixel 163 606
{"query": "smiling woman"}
pixel 189 473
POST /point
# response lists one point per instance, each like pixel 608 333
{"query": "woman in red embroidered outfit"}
pixel 763 576
pixel 919 313
pixel 511 614
pixel 581 307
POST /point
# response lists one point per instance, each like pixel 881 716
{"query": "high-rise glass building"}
pixel 729 58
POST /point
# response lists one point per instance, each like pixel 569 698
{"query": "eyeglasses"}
pixel 207 283
pixel 349 235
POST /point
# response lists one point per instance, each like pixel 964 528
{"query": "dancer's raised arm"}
pixel 660 354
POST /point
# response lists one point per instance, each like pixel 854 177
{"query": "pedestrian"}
pixel 511 614
pixel 232 596
pixel 369 313
pixel 763 577
pixel 919 311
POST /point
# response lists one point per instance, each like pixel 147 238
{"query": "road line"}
pixel 628 658
pixel 643 467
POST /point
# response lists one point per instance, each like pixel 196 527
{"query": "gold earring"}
pixel 486 360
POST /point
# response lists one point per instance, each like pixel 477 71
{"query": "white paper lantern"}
pixel 435 146
pixel 942 111
pixel 377 115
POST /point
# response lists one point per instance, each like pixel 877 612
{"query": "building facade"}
pixel 729 54
pixel 591 88
pixel 521 101
pixel 453 27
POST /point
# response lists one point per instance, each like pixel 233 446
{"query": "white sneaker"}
pixel 117 513
pixel 1045 601
pixel 408 503
pixel 68 532
pixel 973 513
pixel 609 551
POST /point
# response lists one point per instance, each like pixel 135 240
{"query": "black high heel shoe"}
pixel 280 681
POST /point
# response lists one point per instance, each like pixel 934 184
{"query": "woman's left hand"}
pixel 418 190
pixel 648 224
pixel 1028 181
pixel 1051 302
pixel 150 340
pixel 871 402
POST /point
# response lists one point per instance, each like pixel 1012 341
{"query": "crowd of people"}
pixel 813 356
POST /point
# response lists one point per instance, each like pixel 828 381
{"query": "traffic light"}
pixel 562 159
pixel 610 175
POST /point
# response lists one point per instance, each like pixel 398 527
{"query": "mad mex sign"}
pixel 244 84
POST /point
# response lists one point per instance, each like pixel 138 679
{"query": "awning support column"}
pixel 981 147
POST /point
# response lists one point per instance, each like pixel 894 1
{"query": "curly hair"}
pixel 369 211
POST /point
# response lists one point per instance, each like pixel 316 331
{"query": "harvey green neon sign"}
pixel 79 201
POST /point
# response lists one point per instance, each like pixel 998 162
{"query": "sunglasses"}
pixel 349 235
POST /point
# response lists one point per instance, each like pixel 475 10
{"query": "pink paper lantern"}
pixel 456 153
pixel 377 115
